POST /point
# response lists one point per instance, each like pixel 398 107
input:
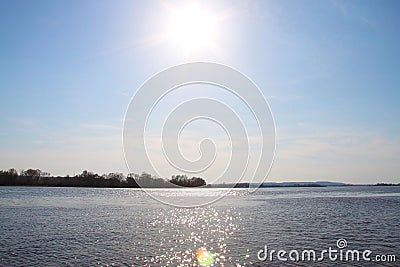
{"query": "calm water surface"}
pixel 125 227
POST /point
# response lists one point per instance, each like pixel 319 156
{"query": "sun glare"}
pixel 191 28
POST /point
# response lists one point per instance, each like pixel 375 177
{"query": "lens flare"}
pixel 204 257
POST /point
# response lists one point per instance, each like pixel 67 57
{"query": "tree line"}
pixel 36 177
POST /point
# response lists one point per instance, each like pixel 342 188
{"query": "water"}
pixel 125 227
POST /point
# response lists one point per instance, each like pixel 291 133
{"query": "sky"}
pixel 330 71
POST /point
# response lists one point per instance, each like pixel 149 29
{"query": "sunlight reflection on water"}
pixel 181 232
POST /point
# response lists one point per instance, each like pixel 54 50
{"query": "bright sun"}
pixel 191 28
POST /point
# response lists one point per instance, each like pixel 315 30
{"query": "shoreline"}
pixel 205 187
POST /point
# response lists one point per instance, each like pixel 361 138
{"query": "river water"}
pixel 42 226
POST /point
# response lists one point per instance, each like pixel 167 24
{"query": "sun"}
pixel 191 27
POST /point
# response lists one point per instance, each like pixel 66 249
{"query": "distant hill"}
pixel 305 184
pixel 283 184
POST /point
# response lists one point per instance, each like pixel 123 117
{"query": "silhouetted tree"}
pixel 115 175
pixel 10 172
pixel 131 180
pixel 87 174
pixel 31 172
pixel 183 180
pixel 147 180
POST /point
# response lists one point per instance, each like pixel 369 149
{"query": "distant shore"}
pixel 298 184
pixel 36 177
pixel 114 183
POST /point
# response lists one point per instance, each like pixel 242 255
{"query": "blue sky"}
pixel 330 71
